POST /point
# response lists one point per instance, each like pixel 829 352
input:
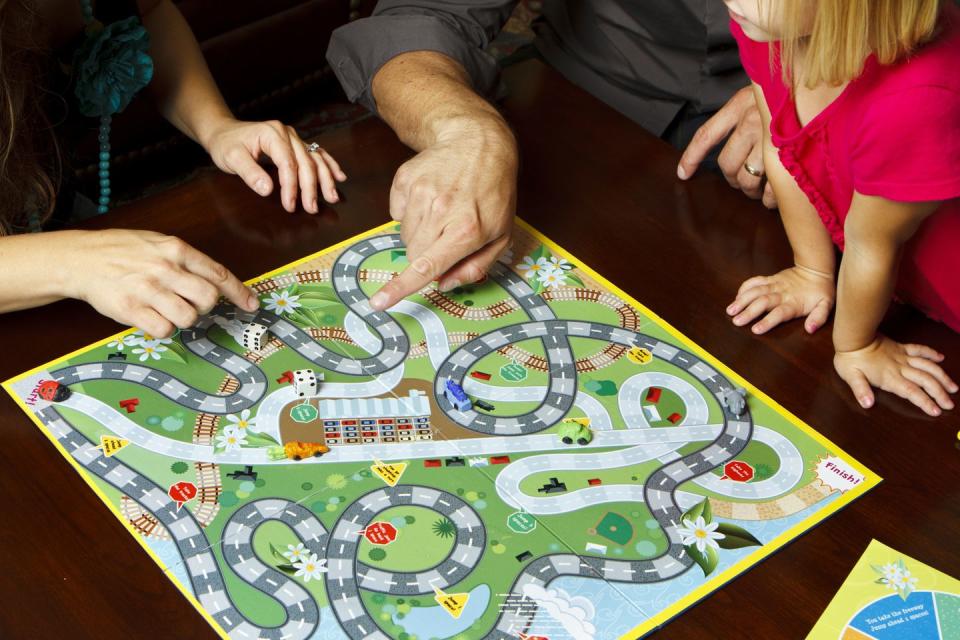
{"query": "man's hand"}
pixel 455 200
pixel 744 147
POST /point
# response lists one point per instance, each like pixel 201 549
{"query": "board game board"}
pixel 535 456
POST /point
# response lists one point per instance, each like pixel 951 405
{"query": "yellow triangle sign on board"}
pixel 453 603
pixel 389 473
pixel 111 444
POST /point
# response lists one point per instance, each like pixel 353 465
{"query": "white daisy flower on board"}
pixel 311 567
pixel 241 423
pixel 560 264
pixel 232 430
pixel 700 533
pixel 905 582
pixel 552 278
pixel 120 343
pixel 281 303
pixel 149 350
pixel 141 338
pixel 295 553
pixel 230 439
pixel 890 573
pixel 529 268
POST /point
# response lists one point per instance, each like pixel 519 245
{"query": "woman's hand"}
pixel 911 371
pixel 793 293
pixel 235 147
pixel 145 279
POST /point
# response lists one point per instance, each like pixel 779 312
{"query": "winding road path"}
pixel 388 345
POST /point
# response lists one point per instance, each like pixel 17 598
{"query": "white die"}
pixel 255 336
pixel 305 383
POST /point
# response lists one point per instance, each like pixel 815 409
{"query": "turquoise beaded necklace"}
pixel 104 135
pixel 111 66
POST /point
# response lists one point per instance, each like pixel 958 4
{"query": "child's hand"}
pixel 235 147
pixel 792 293
pixel 145 279
pixel 908 370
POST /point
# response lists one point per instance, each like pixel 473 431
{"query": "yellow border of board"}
pixel 870 478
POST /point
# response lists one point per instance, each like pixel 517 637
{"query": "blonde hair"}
pixel 844 33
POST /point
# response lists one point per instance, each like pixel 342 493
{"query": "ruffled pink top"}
pixel 894 132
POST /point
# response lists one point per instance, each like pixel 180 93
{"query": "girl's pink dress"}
pixel 894 132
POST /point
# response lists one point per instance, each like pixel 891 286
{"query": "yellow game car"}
pixel 297 450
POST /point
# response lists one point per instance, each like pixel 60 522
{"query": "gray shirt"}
pixel 646 58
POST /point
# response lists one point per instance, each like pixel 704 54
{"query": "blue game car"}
pixel 453 392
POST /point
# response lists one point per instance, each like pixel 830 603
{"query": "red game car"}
pixel 53 391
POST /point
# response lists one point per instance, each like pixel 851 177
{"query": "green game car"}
pixel 573 432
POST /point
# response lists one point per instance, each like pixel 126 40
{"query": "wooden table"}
pixel 603 188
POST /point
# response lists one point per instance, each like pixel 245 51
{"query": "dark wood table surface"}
pixel 606 190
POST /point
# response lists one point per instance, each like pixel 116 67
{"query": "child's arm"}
pixel 805 289
pixel 875 231
pixel 189 98
pixel 138 278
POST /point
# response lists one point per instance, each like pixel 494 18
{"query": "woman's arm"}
pixel 876 230
pixel 138 278
pixel 188 97
pixel 807 288
pixel 182 86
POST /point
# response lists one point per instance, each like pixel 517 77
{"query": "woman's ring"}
pixel 749 168
pixel 313 147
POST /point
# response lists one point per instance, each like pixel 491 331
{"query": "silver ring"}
pixel 313 147
pixel 756 173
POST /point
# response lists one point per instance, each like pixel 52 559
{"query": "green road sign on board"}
pixel 521 522
pixel 513 372
pixel 304 413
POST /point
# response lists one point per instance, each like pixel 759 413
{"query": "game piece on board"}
pixel 53 391
pixel 575 431
pixel 483 404
pixel 297 450
pixel 255 336
pixel 454 394
pixel 735 400
pixel 305 382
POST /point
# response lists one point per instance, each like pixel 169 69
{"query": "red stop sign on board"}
pixel 738 471
pixel 182 492
pixel 380 533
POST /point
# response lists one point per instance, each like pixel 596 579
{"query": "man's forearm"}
pixel 425 96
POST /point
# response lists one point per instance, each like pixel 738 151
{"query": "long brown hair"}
pixel 29 162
